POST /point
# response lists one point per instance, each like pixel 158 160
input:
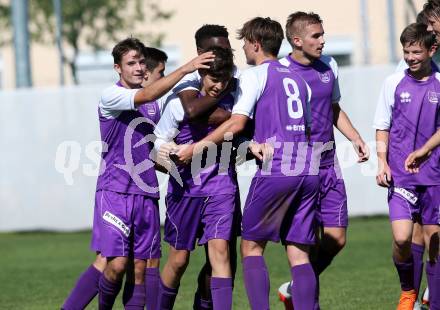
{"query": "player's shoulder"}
pixel 394 78
pixel 329 62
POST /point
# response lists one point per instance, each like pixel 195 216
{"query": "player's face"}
pixel 156 74
pixel 249 52
pixel 417 56
pixel 213 86
pixel 312 40
pixel 434 26
pixel 131 69
pixel 214 41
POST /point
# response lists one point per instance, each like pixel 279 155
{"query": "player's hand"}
pixel 163 155
pixel 263 151
pixel 383 177
pixel 415 159
pixel 184 154
pixel 200 62
pixel 361 150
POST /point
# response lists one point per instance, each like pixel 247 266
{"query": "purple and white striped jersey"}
pixel 322 78
pixel 127 136
pixel 409 110
pixel 278 100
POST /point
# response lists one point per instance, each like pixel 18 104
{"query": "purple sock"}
pixel 152 279
pixel 256 281
pixel 417 253
pixel 304 287
pixel 221 292
pixel 434 294
pixel 430 271
pixel 406 274
pixel 200 303
pixel 107 293
pixel 133 297
pixel 84 291
pixel 166 297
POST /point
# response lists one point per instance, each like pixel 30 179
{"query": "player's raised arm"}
pixel 162 86
pixel 416 158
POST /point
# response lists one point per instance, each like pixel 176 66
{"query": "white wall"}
pixel 43 187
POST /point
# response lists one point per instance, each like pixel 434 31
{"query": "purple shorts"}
pixel 126 225
pixel 203 218
pixel 415 202
pixel 332 202
pixel 281 208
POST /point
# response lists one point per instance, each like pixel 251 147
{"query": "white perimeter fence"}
pixel 49 154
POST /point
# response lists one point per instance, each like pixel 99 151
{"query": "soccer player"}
pixel 201 109
pixel 407 116
pixel 206 198
pixel 305 33
pixel 119 105
pixel 281 201
pixel 88 284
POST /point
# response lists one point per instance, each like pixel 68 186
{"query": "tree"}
pixel 96 23
pixel 5 23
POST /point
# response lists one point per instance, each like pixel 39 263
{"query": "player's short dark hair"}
pixel 297 21
pixel 417 33
pixel 222 67
pixel 266 31
pixel 126 45
pixel 153 57
pixel 422 18
pixel 208 31
pixel 432 8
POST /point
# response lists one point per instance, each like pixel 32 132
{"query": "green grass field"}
pixel 39 269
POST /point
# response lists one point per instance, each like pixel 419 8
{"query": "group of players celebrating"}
pixel 198 122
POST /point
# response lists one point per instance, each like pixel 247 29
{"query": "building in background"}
pixel 354 36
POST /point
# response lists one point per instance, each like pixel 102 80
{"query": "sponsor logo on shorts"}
pixel 406 194
pixel 324 77
pixel 432 97
pixel 116 221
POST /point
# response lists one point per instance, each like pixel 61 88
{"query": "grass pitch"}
pixel 39 270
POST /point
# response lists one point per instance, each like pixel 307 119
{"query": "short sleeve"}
pixel 250 87
pixel 190 81
pixel 385 104
pixel 166 128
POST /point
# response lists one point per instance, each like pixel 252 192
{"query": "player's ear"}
pixel 257 46
pixel 297 41
pixel 432 50
pixel 117 68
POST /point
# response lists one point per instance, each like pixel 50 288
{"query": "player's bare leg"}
pixel 431 236
pixel 304 284
pixel 402 256
pixel 134 288
pixel 221 279
pixel 111 281
pixel 152 279
pixel 172 272
pixel 255 274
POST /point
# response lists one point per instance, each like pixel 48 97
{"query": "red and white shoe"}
pixel 285 296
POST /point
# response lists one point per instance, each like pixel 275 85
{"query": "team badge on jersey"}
pixel 151 109
pixel 432 97
pixel 405 97
pixel 324 77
